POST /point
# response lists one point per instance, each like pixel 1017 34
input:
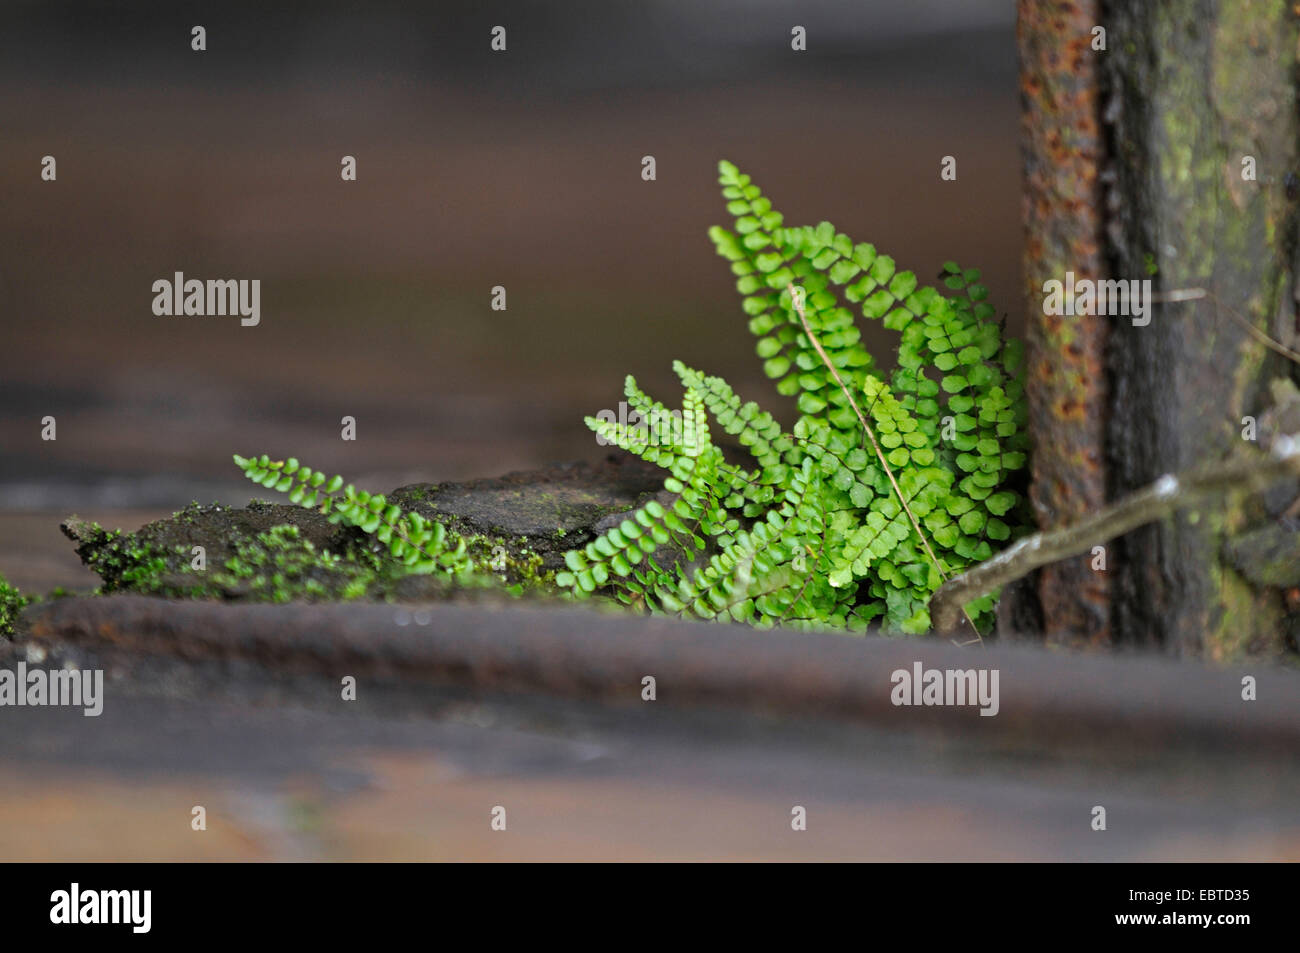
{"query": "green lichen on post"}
pixel 1268 556
pixel 1201 89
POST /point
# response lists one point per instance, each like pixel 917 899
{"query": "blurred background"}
pixel 520 169
pixel 475 169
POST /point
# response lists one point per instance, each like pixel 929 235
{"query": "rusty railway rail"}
pixel 1047 698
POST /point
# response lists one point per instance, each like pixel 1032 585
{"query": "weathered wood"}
pixel 1198 86
pixel 1268 556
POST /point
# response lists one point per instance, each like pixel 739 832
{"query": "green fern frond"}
pixel 421 545
pixel 887 483
pixel 756 430
pixel 826 530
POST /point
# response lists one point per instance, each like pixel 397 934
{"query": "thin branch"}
pixel 1156 501
pixel 1195 294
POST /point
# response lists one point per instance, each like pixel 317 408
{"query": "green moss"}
pixel 1226 638
pixel 11 603
pixel 312 562
pixel 280 565
pixel 510 560
pixel 1215 89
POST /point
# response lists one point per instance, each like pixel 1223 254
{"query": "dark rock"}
pixel 531 516
pixel 547 511
pixel 219 529
pixel 157 558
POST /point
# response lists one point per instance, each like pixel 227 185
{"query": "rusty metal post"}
pixel 1062 148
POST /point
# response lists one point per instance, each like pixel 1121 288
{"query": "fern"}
pixel 11 604
pixel 857 514
pixel 419 544
pixel 887 484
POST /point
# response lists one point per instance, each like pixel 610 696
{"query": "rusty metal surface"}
pixel 290 784
pixel 238 709
pixel 1063 149
pixel 1049 700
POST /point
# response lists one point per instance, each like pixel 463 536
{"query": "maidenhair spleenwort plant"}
pixel 888 483
pixel 11 603
pixel 419 544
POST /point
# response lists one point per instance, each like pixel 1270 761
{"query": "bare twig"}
pixel 1147 505
pixel 1153 502
pixel 1195 294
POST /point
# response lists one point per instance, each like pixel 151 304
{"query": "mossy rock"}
pixel 265 551
pixel 278 552
pixel 546 512
pixel 219 529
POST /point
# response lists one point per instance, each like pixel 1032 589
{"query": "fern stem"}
pixel 329 503
pixel 880 454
